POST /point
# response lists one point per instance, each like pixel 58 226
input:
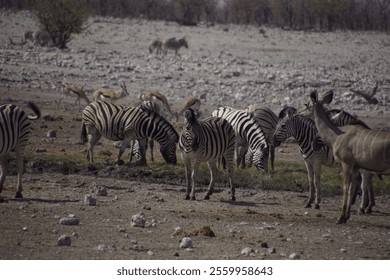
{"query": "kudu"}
pixel 354 146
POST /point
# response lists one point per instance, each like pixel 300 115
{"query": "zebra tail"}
pixel 35 109
pixel 83 136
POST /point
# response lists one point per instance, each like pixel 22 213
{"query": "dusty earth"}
pixel 224 65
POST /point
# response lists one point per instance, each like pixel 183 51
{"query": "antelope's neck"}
pixel 326 129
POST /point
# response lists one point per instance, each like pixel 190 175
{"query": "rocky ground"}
pixel 224 65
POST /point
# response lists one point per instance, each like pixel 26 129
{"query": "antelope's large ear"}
pixel 328 97
pixel 314 96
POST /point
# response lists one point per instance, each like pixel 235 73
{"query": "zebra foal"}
pixel 14 134
pixel 208 141
pixel 120 123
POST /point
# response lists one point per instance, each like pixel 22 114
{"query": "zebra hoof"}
pixel 308 205
pixel 233 198
pixel 316 206
pixel 368 210
pixel 119 162
pixel 342 220
pixel 187 197
pixel 207 197
pixel 18 195
pixel 192 197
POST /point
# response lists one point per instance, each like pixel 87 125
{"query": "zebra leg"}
pixel 140 152
pixel 310 177
pixel 195 172
pixel 272 159
pixel 3 170
pixel 122 149
pixel 230 171
pixel 317 184
pixel 151 146
pixel 93 137
pixel 19 167
pixel 188 171
pixel 213 170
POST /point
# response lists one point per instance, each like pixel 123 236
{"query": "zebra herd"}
pixel 232 136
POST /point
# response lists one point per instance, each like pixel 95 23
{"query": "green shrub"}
pixel 61 19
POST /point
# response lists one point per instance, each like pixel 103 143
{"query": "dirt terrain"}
pixel 224 65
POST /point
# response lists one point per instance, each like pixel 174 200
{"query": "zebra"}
pixel 267 120
pixel 139 147
pixel 248 133
pixel 14 135
pixel 120 123
pixel 175 44
pixel 303 130
pixel 157 46
pixel 208 140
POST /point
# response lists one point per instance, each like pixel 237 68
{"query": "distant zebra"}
pixel 267 120
pixel 206 140
pixel 156 46
pixel 119 123
pixel 249 133
pixel 14 134
pixel 175 45
pixel 303 130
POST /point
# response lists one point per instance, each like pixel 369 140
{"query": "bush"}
pixel 61 19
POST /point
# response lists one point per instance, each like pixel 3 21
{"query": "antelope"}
pixel 194 103
pixel 104 94
pixel 158 98
pixel 354 146
pixel 74 91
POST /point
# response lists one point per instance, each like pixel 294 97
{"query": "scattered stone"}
pixel 100 190
pixel 89 200
pixel 186 242
pixel 138 220
pixel 150 253
pixel 272 250
pixel 294 256
pixel 106 248
pixel 40 150
pixel 51 134
pixel 69 221
pixel 64 240
pixel 248 251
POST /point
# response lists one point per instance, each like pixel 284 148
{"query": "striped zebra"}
pixel 248 133
pixel 267 120
pixel 208 141
pixel 14 134
pixel 138 147
pixel 120 123
pixel 303 130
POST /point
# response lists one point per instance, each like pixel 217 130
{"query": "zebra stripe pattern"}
pixel 208 141
pixel 267 120
pixel 248 132
pixel 303 130
pixel 120 123
pixel 14 135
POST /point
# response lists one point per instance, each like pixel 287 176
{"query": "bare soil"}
pixel 226 65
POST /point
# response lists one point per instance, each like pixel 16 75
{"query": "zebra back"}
pixel 265 117
pixel 343 118
pixel 247 131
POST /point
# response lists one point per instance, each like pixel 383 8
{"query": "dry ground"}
pixel 233 66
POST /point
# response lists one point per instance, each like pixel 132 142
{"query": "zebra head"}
pixel 168 151
pixel 280 132
pixel 260 158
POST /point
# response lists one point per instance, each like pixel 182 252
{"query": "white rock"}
pixel 138 220
pixel 247 251
pixel 89 200
pixel 64 240
pixel 186 242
